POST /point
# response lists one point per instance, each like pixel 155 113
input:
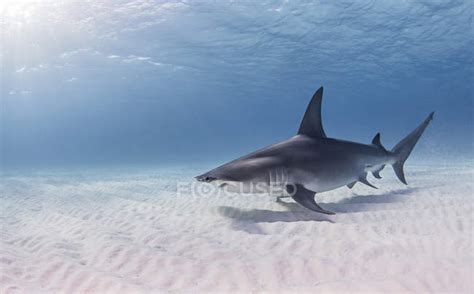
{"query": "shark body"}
pixel 310 162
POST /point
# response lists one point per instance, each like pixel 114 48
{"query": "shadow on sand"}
pixel 295 213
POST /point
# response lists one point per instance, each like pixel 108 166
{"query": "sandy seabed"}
pixel 100 231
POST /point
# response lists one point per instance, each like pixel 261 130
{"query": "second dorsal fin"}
pixel 376 141
pixel 312 125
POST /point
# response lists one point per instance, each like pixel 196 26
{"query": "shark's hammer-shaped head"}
pixel 205 178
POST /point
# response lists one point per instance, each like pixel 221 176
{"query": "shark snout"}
pixel 205 178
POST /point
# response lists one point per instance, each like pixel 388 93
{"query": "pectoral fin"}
pixel 305 198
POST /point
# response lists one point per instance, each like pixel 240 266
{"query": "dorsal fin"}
pixel 312 125
pixel 376 141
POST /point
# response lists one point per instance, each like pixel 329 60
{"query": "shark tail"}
pixel 403 149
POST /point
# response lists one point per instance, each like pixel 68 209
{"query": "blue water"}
pixel 107 83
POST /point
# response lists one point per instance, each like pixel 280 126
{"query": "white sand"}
pixel 129 231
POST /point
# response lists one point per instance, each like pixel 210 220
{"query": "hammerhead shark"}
pixel 310 162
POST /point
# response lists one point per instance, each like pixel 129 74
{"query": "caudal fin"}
pixel 403 149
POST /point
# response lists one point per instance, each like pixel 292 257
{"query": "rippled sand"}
pixel 130 231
